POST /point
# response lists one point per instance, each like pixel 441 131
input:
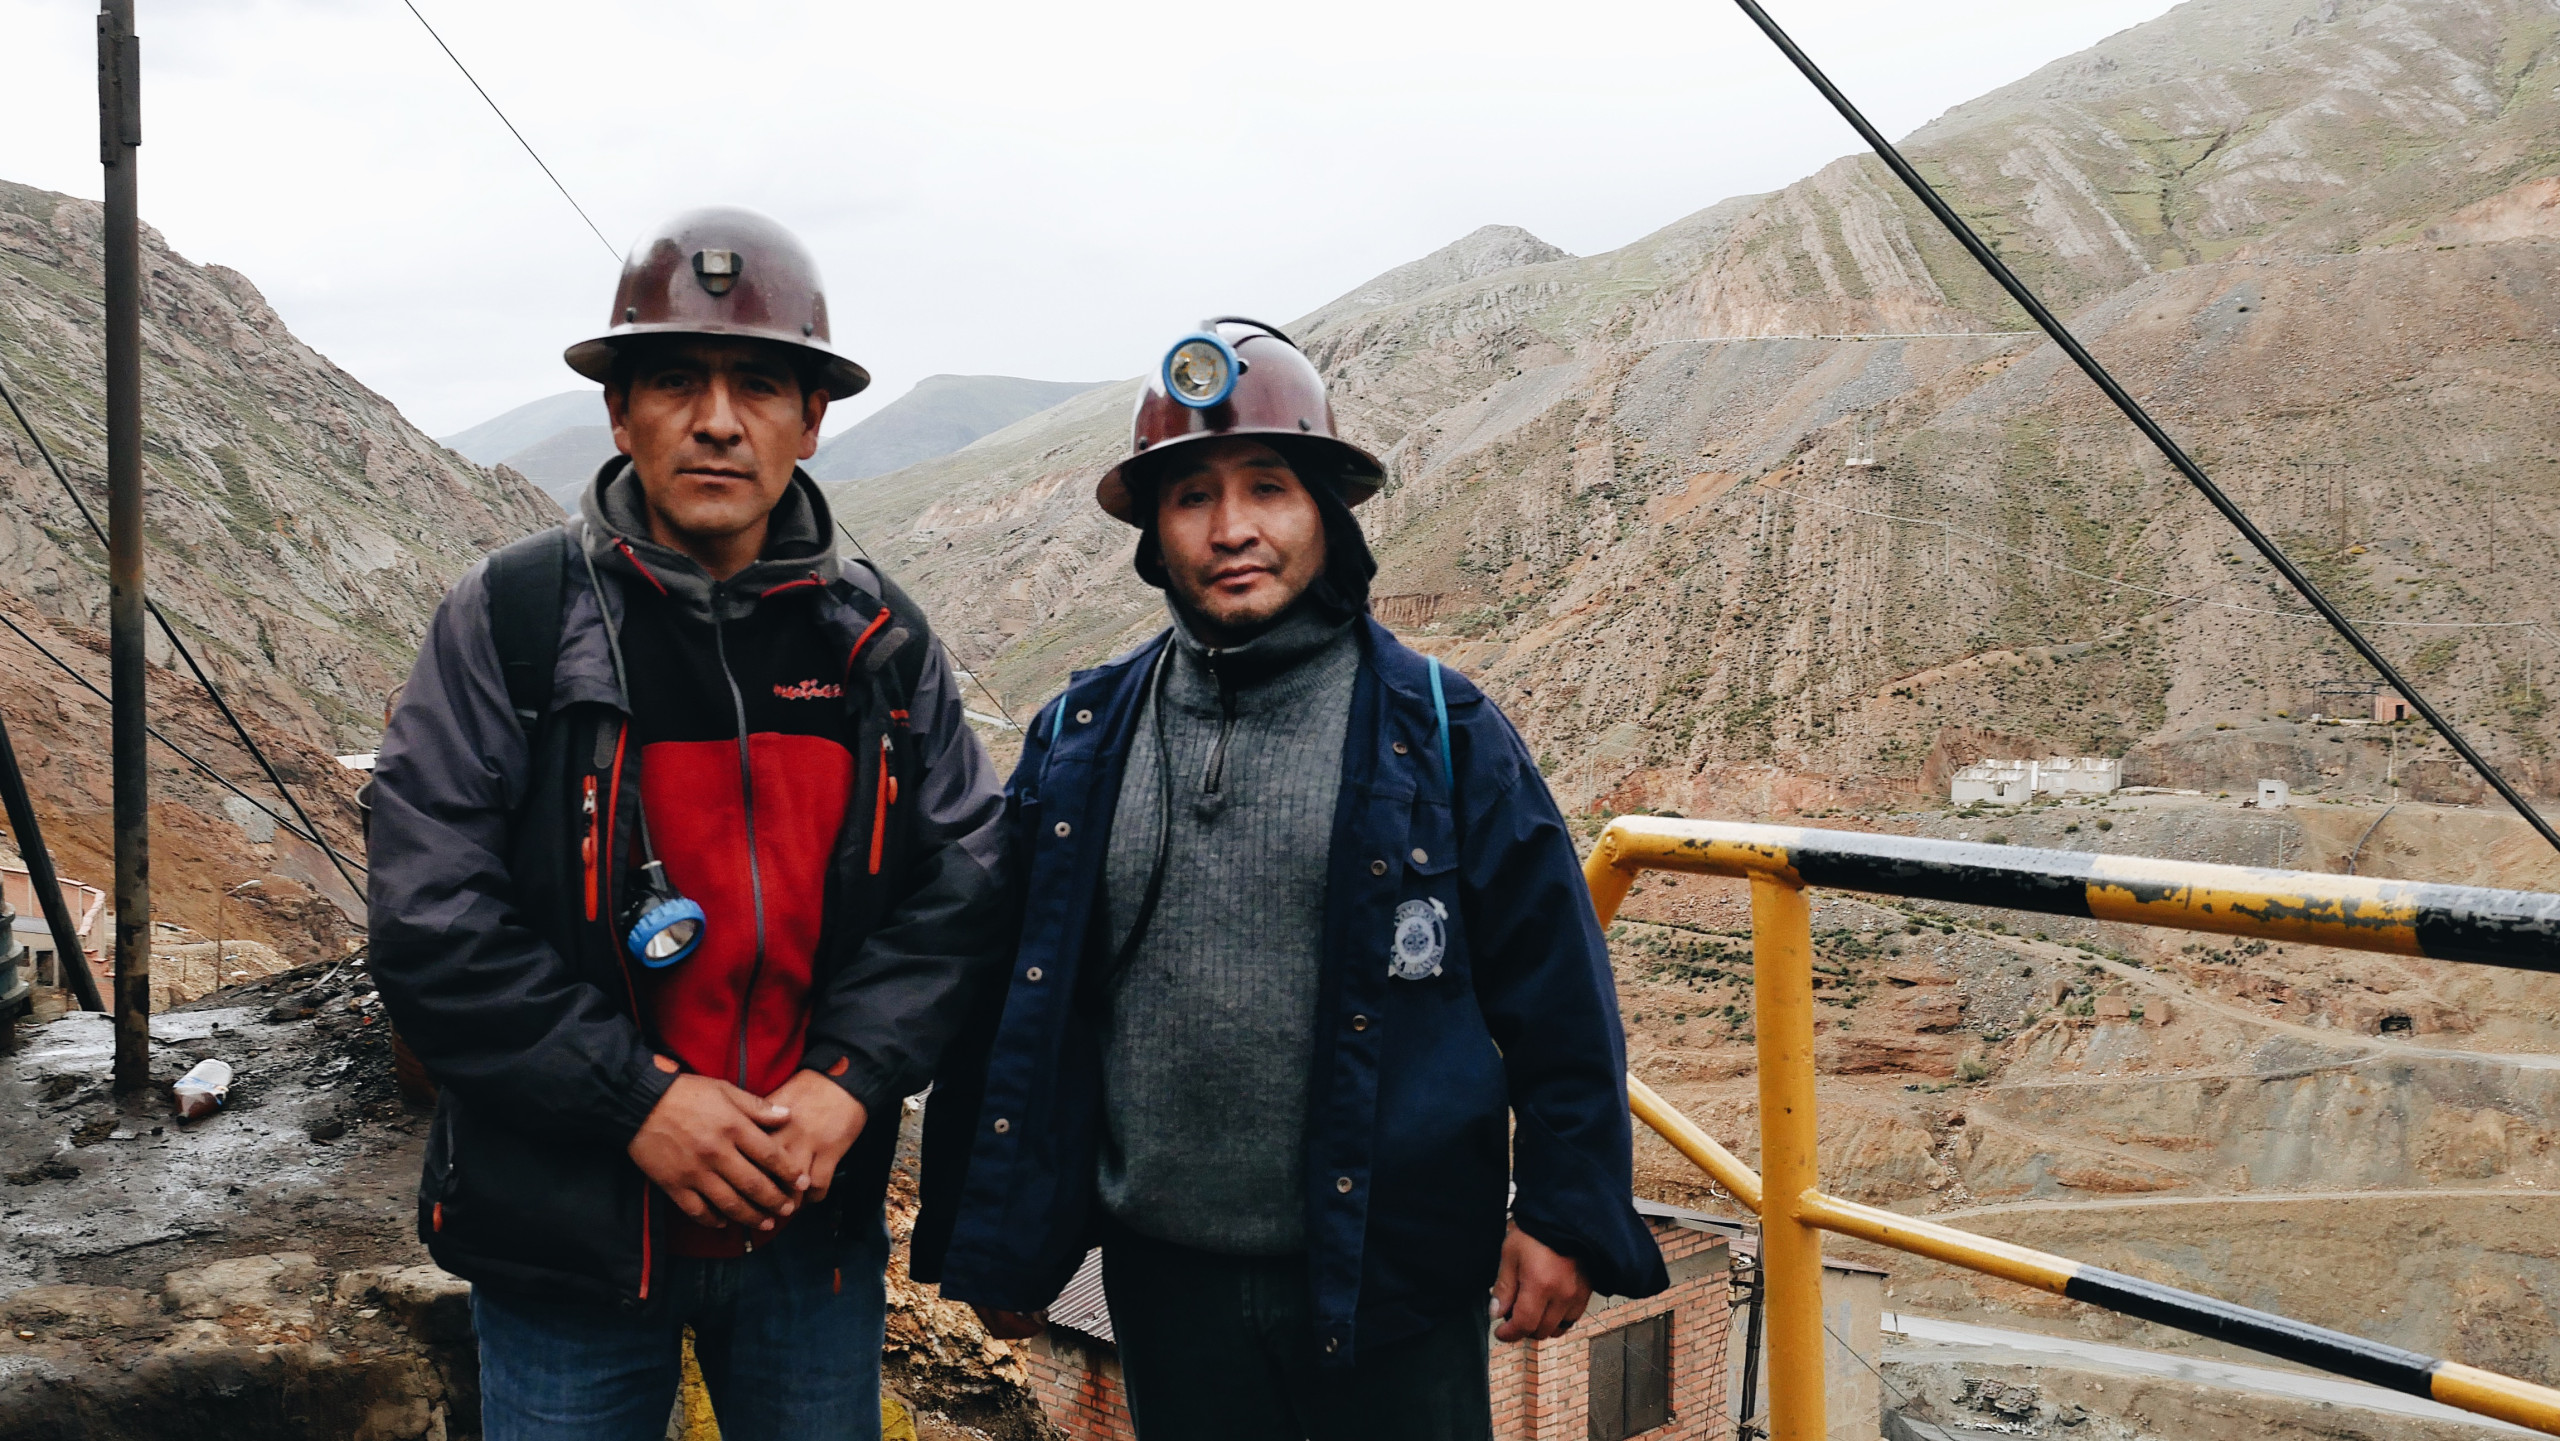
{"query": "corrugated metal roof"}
pixel 1081 1308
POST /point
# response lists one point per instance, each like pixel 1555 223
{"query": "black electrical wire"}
pixel 217 777
pixel 257 753
pixel 2133 410
pixel 512 130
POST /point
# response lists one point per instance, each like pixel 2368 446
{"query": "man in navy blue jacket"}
pixel 1311 1028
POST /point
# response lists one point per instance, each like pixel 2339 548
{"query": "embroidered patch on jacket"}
pixel 1422 938
pixel 809 690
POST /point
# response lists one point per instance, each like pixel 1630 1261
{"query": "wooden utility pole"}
pixel 119 143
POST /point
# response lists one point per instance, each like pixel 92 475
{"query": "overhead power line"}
pixel 217 777
pixel 518 134
pixel 2177 456
pixel 212 691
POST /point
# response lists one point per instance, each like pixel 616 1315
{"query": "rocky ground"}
pixel 257 1274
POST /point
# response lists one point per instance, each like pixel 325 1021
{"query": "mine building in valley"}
pixel 2010 783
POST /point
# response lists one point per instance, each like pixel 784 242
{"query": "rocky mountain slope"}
pixel 2314 234
pixel 300 534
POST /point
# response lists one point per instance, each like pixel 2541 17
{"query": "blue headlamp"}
pixel 660 927
pixel 1201 370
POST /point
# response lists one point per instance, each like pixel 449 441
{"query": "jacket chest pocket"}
pixel 1426 943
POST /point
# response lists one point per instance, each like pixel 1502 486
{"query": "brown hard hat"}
pixel 1238 377
pixel 722 271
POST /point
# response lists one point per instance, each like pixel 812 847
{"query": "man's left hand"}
pixel 1538 1292
pixel 824 1124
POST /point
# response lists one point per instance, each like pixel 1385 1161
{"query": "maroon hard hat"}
pixel 722 271
pixel 1235 376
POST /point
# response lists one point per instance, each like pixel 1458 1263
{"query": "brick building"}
pixel 1654 1368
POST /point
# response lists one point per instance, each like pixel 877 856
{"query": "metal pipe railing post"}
pixel 1790 1249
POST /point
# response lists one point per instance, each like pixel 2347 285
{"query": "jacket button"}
pixel 1032 974
pixel 1400 748
pixel 1359 1023
pixel 1340 1183
pixel 1061 830
pixel 1376 868
pixel 1421 857
pixel 1084 717
pixel 1003 1125
pixel 1332 1344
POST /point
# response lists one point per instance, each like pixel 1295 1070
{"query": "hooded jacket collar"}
pixel 799 545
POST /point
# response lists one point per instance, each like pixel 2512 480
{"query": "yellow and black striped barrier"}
pixel 2520 929
pixel 2458 923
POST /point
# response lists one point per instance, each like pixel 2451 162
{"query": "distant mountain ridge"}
pixel 499 437
pixel 941 414
pixel 557 442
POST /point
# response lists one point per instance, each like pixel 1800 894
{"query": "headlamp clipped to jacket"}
pixel 660 927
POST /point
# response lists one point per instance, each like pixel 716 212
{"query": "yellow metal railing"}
pixel 2507 928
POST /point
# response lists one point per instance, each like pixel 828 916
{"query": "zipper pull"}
pixel 587 845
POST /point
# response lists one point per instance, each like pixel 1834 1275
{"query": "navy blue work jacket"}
pixel 1411 1145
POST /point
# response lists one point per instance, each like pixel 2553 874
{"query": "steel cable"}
pixel 217 777
pixel 2133 410
pixel 310 828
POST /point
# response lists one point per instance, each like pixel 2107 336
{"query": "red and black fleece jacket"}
pixel 853 915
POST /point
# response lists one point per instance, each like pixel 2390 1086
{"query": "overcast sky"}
pixel 994 188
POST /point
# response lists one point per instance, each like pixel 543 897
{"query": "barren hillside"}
pixel 2315 235
pixel 300 534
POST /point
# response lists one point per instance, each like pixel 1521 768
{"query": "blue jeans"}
pixel 789 1351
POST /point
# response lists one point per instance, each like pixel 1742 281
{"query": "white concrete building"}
pixel 2009 783
pixel 1999 783
pixel 2079 775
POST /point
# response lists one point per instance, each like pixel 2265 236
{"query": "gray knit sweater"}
pixel 1211 1030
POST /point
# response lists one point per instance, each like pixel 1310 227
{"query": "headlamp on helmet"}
pixel 1201 370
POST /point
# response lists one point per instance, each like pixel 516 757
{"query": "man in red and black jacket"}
pixel 629 1143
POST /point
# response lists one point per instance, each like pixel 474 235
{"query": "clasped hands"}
pixel 727 1156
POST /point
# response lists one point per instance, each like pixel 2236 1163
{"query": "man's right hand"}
pixel 706 1146
pixel 1010 1325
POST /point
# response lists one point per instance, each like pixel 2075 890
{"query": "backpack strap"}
pixel 526 581
pixel 898 655
pixel 1440 712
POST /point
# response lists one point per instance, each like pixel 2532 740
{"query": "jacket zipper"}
pixel 883 796
pixel 747 792
pixel 1217 772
